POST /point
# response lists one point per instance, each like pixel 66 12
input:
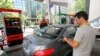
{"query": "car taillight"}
pixel 46 52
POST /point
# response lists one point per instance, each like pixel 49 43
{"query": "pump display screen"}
pixel 13 26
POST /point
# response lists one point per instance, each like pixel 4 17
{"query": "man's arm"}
pixel 71 42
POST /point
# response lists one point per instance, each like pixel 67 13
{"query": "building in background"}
pixel 34 8
pixel 19 4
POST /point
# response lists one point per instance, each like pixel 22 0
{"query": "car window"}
pixel 70 32
pixel 1 26
pixel 0 34
pixel 38 31
pixel 52 32
pixel 47 32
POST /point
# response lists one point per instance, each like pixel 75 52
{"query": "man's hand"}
pixel 71 42
pixel 65 39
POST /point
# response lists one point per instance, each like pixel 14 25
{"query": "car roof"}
pixel 63 25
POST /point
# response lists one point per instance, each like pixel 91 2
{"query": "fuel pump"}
pixel 12 27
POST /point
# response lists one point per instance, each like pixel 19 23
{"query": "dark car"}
pixel 48 41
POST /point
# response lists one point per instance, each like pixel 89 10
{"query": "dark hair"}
pixel 82 14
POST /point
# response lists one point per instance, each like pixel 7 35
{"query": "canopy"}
pixel 57 2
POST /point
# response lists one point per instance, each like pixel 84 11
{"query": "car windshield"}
pixel 48 32
pixel 70 32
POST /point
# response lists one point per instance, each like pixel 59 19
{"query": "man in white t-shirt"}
pixel 84 38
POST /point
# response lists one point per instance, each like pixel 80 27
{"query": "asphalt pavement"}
pixel 96 49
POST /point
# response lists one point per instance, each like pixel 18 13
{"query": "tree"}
pixel 80 5
pixel 6 4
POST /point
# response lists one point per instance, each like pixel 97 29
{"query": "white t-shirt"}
pixel 86 36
